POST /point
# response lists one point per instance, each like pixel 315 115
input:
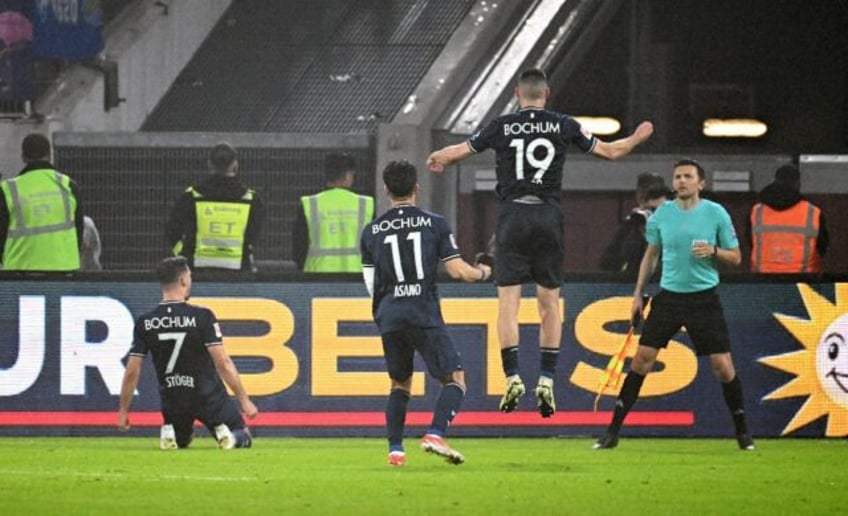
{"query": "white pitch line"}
pixel 87 474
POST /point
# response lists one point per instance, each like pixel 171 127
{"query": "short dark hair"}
pixel 688 161
pixel 650 186
pixel 533 82
pixel 170 269
pixel 337 164
pixel 35 146
pixel 222 156
pixel 400 178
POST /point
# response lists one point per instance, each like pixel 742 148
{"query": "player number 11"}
pixel 392 242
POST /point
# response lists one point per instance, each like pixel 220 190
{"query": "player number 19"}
pixel 529 154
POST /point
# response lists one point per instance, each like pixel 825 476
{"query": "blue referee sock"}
pixel 447 407
pixel 396 418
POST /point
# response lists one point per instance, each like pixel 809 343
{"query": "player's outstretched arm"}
pixel 447 155
pixel 462 270
pixel 620 148
pixel 228 372
pixel 128 385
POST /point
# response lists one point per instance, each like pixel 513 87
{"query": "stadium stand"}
pixel 266 70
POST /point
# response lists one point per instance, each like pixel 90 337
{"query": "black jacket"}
pixel 182 223
pixel 4 208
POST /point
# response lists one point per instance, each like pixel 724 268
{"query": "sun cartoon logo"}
pixel 821 368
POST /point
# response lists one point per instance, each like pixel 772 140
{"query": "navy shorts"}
pixel 433 344
pixel 700 312
pixel 529 246
pixel 211 412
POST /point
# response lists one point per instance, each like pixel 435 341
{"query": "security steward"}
pixel 787 233
pixel 216 223
pixel 325 237
pixel 41 222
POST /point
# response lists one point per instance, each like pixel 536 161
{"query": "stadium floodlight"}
pixel 734 128
pixel 599 125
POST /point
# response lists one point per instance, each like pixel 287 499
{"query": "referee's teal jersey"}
pixel 676 231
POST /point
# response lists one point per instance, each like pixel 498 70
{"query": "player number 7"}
pixel 178 337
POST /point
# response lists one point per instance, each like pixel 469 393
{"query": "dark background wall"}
pixel 791 55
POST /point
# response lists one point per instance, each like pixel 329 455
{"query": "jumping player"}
pixel 530 147
pixel 401 251
pixel 190 360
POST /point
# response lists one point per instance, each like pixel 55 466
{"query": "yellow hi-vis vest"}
pixel 335 218
pixel 221 225
pixel 42 235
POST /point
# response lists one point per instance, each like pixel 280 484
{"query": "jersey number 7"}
pixel 178 337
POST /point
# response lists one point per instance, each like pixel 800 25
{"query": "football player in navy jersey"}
pixel 530 147
pixel 186 344
pixel 401 251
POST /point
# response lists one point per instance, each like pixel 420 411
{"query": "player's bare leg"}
pixel 509 298
pixel 550 334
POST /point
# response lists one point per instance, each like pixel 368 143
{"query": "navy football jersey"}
pixel 530 149
pixel 177 334
pixel 405 246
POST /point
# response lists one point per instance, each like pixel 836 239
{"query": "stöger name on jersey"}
pixel 531 128
pixel 179 380
pixel 177 321
pixel 401 223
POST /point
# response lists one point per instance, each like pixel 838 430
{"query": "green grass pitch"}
pixel 130 475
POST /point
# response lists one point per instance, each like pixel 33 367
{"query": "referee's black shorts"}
pixel 700 312
pixel 529 244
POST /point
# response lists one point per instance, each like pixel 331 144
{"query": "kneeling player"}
pixel 190 360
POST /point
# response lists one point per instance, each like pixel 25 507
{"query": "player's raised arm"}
pixel 448 155
pixel 228 372
pixel 624 146
pixel 460 269
pixel 128 385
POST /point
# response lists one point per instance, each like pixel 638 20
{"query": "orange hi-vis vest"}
pixel 785 241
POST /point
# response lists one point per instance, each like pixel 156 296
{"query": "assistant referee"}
pixel 694 234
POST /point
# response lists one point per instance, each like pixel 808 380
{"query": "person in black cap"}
pixel 787 233
pixel 216 223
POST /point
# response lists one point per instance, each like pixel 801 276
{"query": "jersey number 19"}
pixel 529 154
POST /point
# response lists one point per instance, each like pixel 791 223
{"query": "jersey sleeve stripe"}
pixel 138 354
pixel 210 344
pixel 592 147
pixel 471 147
pixel 451 257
